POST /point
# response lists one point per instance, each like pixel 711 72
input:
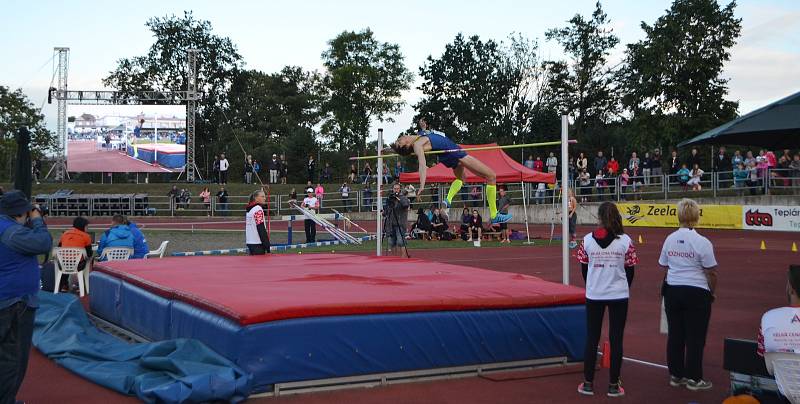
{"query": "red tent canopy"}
pixel 505 167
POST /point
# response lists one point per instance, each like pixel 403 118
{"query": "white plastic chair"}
pixel 67 262
pixel 160 251
pixel 787 375
pixel 116 254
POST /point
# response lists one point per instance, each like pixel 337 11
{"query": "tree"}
pixel 16 111
pixel 585 85
pixel 485 91
pixel 674 75
pixel 277 104
pixel 163 68
pixel 366 78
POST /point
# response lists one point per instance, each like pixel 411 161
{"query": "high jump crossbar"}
pixel 511 146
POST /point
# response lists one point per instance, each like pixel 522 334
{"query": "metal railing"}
pixel 669 186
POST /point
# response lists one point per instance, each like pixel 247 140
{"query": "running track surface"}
pixel 83 157
pixel 750 282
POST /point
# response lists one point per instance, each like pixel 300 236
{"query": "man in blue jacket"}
pixel 140 247
pixel 23 236
pixel 119 235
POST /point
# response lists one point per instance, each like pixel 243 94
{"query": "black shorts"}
pixel 504 226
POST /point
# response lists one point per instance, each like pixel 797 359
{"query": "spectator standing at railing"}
pixel 398 169
pixel 284 169
pixel 794 165
pixel 600 184
pixel 697 176
pixel 345 191
pixel 327 173
pixel 538 165
pixel 311 168
pixel 762 165
pixel 387 175
pixel 529 162
pixel 694 158
pixel 173 195
pixel 274 167
pixel 722 165
pixel 571 169
pixel 367 173
pixel 674 163
pixel 223 169
pixel 205 195
pixel 292 197
pixel 215 169
pixel 353 173
pixel 749 159
pixel 581 162
pixel 656 169
pixel 600 163
pixel 624 180
pixel 740 175
pixel 585 182
pixel 475 195
pixel 647 167
pixel 737 159
pixel 634 161
pixel 311 203
pixel 552 163
pixel 683 175
pixel 319 192
pixel 613 167
pixel 368 196
pixel 784 170
pixel 753 177
pixel 411 193
pixel 222 201
pixel 256 167
pixel 248 170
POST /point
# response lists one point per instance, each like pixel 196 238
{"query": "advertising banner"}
pixel 771 218
pixel 665 215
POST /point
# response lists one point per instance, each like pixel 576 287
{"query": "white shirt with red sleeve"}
pixel 780 331
pixel 253 219
pixel 605 279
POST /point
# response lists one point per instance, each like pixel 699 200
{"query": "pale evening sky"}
pixel 273 34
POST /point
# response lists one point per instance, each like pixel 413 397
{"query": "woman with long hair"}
pixel 607 257
pixel 205 195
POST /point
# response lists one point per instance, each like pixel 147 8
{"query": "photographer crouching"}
pixel 395 216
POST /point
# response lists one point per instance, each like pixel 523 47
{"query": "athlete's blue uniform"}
pixel 439 142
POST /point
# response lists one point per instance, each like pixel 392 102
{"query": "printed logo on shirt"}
pixel 681 254
pixel 756 218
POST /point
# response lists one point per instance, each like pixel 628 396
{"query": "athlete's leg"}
pixel 455 186
pixel 483 171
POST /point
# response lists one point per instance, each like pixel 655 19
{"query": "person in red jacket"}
pixel 613 166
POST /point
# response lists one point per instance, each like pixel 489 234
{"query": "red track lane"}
pixel 751 282
pixel 83 157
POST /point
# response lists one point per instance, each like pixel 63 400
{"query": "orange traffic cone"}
pixel 606 363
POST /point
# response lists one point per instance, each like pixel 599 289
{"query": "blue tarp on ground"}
pixel 173 371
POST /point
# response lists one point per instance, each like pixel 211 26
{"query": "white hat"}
pixel 309 190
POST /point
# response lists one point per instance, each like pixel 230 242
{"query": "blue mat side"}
pixel 104 296
pixel 172 160
pixel 152 323
pixel 325 347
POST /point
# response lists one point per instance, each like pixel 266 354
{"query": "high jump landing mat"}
pixel 299 318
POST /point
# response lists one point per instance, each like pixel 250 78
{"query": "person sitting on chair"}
pixel 475 224
pixel 466 218
pixel 439 223
pixel 119 235
pixel 76 237
pixel 423 223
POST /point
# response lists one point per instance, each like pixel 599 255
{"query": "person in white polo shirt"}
pixel 256 232
pixel 780 328
pixel 311 203
pixel 688 291
pixel 607 257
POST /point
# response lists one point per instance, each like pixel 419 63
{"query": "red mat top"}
pixel 258 289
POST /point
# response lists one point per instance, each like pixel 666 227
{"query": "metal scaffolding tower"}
pixel 60 167
pixel 65 97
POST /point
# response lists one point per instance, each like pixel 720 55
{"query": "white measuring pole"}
pixel 378 196
pixel 564 201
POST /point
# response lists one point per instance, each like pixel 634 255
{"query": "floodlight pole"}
pixel 564 201
pixel 378 195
